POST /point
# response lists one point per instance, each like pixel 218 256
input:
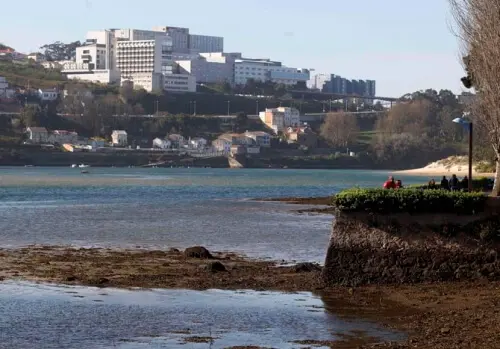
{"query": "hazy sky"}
pixel 404 45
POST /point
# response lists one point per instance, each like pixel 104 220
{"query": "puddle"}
pixel 50 316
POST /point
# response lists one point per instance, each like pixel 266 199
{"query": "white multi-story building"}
pixel 267 70
pixel 96 60
pixel 94 55
pixel 145 61
pixel 210 67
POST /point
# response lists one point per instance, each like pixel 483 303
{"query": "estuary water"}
pixel 163 208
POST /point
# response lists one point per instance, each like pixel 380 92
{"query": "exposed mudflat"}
pixel 442 315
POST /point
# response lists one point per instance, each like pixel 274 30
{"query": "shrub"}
pixel 409 200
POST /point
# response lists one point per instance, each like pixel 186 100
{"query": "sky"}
pixel 405 45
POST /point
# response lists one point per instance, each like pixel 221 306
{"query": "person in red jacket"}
pixel 390 184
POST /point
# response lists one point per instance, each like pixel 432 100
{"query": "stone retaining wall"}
pixel 397 249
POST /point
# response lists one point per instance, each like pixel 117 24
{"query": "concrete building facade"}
pixel 179 83
pixel 209 67
pixel 267 70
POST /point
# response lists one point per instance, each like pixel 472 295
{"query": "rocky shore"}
pixel 448 315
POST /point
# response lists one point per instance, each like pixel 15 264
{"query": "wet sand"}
pixel 447 315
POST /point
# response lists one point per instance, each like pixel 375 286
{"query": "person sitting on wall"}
pixel 399 184
pixel 464 183
pixel 432 184
pixel 390 184
pixel 445 185
pixel 454 183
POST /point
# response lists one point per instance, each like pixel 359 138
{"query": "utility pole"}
pixel 194 108
pixel 257 107
pixel 228 107
pixel 157 106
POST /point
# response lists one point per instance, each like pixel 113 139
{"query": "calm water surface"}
pixel 158 208
pixel 47 316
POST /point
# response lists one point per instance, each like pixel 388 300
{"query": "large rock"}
pixel 397 249
pixel 197 252
pixel 215 267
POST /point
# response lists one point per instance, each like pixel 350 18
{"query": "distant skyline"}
pixel 404 45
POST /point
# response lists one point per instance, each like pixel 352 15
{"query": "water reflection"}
pixel 48 316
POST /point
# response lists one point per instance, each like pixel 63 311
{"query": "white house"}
pixel 37 135
pixel 48 95
pixel 119 137
pixel 198 143
pixel 161 143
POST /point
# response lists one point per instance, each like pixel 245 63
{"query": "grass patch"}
pixel 410 201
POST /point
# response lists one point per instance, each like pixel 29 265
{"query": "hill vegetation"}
pixel 26 74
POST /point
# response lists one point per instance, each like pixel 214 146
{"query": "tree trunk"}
pixel 496 185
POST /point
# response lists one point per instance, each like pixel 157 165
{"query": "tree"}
pixel 339 129
pixel 30 115
pixel 478 28
pixel 59 51
pixel 241 122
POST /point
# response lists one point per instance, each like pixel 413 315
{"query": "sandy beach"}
pixel 445 168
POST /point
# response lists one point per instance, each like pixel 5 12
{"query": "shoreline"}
pixel 443 171
pixel 433 315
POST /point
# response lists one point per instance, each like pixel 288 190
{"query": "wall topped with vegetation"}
pixel 412 235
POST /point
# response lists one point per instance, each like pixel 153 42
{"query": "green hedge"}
pixel 409 200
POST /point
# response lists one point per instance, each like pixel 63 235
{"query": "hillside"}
pixel 5 47
pixel 22 74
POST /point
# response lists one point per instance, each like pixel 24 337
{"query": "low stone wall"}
pixel 397 249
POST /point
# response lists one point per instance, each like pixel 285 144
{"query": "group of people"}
pixel 453 184
pixel 393 184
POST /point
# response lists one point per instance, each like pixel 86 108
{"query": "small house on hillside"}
pixel 119 138
pixel 48 95
pixel 177 140
pixel 37 135
pixel 198 143
pixel 261 138
pixel 161 143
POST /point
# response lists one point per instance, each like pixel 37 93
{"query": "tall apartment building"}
pixel 267 70
pixel 340 85
pixel 144 61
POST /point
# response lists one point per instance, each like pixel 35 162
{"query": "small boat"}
pixel 74 166
pixel 83 166
pixel 84 171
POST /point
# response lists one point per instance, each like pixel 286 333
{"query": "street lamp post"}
pixel 467 124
